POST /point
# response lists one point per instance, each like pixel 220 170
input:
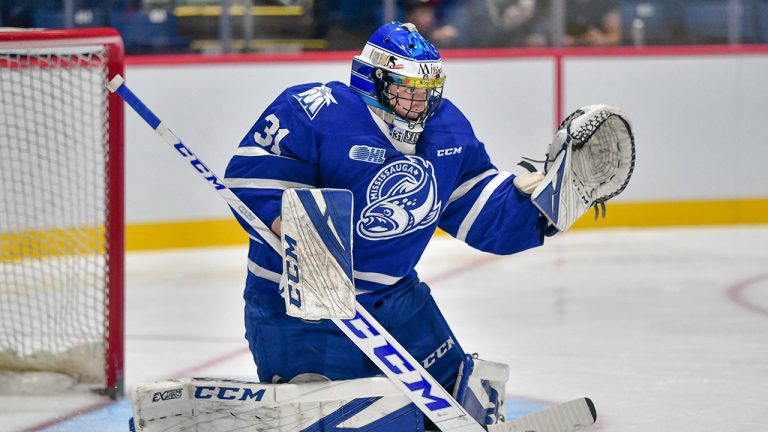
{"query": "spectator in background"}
pixel 592 22
pixel 16 13
pixel 499 23
pixel 587 22
pixel 345 24
pixel 428 17
pixel 24 13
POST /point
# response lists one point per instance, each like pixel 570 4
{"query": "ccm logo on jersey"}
pixel 448 151
pixel 228 393
pixel 167 395
pixel 292 272
pixel 395 362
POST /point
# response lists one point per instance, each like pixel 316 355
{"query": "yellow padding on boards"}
pixel 51 242
pixel 679 213
pixel 188 234
pixel 226 232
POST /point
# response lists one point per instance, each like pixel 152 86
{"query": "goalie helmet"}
pixel 400 75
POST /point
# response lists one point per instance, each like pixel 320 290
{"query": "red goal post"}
pixel 61 205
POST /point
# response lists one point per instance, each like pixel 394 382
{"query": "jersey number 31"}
pixel 272 135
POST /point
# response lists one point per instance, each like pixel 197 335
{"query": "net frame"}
pixel 114 179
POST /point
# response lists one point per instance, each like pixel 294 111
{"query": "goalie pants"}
pixel 284 347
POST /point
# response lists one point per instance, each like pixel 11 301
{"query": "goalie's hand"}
pixel 527 182
pixel 277 226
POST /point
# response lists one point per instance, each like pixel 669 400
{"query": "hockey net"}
pixel 61 206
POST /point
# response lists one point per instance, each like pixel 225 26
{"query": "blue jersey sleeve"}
pixel 485 209
pixel 279 152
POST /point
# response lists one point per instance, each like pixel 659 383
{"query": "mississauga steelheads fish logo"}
pixel 402 198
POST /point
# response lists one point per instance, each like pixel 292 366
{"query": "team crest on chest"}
pixel 402 198
pixel 314 99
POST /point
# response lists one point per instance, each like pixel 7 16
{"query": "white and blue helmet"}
pixel 396 63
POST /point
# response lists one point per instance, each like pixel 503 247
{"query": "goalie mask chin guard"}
pixel 400 75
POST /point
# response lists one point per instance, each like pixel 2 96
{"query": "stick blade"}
pixel 567 417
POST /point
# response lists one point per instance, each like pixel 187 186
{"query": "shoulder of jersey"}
pixel 329 106
pixel 449 119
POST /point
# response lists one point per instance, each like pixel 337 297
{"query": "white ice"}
pixel 665 329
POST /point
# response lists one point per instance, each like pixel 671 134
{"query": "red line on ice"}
pixel 736 294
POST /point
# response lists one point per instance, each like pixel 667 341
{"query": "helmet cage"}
pixel 418 97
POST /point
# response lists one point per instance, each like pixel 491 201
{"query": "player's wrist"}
pixel 527 182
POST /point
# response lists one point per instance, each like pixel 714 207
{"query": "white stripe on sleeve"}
pixel 257 183
pixel 379 278
pixel 263 273
pixel 468 185
pixel 477 207
pixel 257 151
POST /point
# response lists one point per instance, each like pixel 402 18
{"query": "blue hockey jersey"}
pixel 325 136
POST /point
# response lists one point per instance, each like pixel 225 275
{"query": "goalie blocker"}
pixel 590 161
pixel 316 232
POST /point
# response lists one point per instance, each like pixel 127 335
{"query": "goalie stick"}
pixel 566 417
pixel 364 331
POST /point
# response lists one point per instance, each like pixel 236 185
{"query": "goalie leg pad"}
pixel 480 389
pixel 216 405
pixel 317 253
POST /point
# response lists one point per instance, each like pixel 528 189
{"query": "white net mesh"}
pixel 53 207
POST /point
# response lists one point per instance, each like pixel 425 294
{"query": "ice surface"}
pixel 665 329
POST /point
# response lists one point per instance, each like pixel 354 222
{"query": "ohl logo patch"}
pixel 402 198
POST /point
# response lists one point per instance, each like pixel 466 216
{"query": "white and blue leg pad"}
pixel 480 389
pixel 317 280
pixel 220 405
